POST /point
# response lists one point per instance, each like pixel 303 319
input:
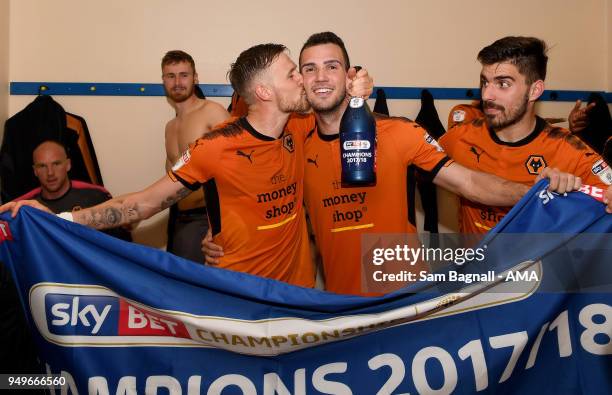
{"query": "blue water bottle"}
pixel 358 144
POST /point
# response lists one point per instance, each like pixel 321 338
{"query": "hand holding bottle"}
pixel 359 83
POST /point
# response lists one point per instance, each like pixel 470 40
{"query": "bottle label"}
pixel 356 102
pixel 356 144
pixel 358 158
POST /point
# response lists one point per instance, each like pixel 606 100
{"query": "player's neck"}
pixel 328 122
pixel 186 106
pixel 267 122
pixel 519 130
pixel 57 194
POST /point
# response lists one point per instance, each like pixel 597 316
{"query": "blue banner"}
pixel 116 317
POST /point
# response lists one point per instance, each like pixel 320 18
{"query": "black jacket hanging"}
pixel 43 119
pixel 380 106
pixel 429 119
pixel 428 116
pixel 79 126
pixel 599 127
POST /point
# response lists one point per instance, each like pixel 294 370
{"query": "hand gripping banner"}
pixel 120 318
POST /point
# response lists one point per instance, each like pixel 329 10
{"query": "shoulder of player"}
pixel 469 109
pixel 562 140
pixel 211 114
pixel 400 132
pixel 386 122
pixel 229 128
pixel 463 128
pixel 205 107
pixel 564 137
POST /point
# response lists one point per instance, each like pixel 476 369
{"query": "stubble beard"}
pixel 502 120
pixel 301 105
pixel 180 96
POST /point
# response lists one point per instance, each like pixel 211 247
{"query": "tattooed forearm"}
pixel 108 217
pixel 180 194
pixel 132 207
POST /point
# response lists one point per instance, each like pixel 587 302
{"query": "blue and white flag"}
pixel 119 318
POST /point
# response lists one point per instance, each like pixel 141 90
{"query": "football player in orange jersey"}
pixel 510 140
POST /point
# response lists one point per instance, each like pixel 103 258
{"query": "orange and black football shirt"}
pixel 464 113
pixel 473 145
pixel 254 192
pixel 340 216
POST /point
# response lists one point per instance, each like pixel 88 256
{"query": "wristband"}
pixel 66 215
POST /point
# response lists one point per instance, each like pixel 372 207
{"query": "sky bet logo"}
pixel 106 316
pixel 82 315
pixel 73 315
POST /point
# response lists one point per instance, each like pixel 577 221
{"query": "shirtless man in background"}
pixel 194 118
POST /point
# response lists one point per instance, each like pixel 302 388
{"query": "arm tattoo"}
pixel 103 218
pixel 180 194
pixel 132 214
pixel 111 217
